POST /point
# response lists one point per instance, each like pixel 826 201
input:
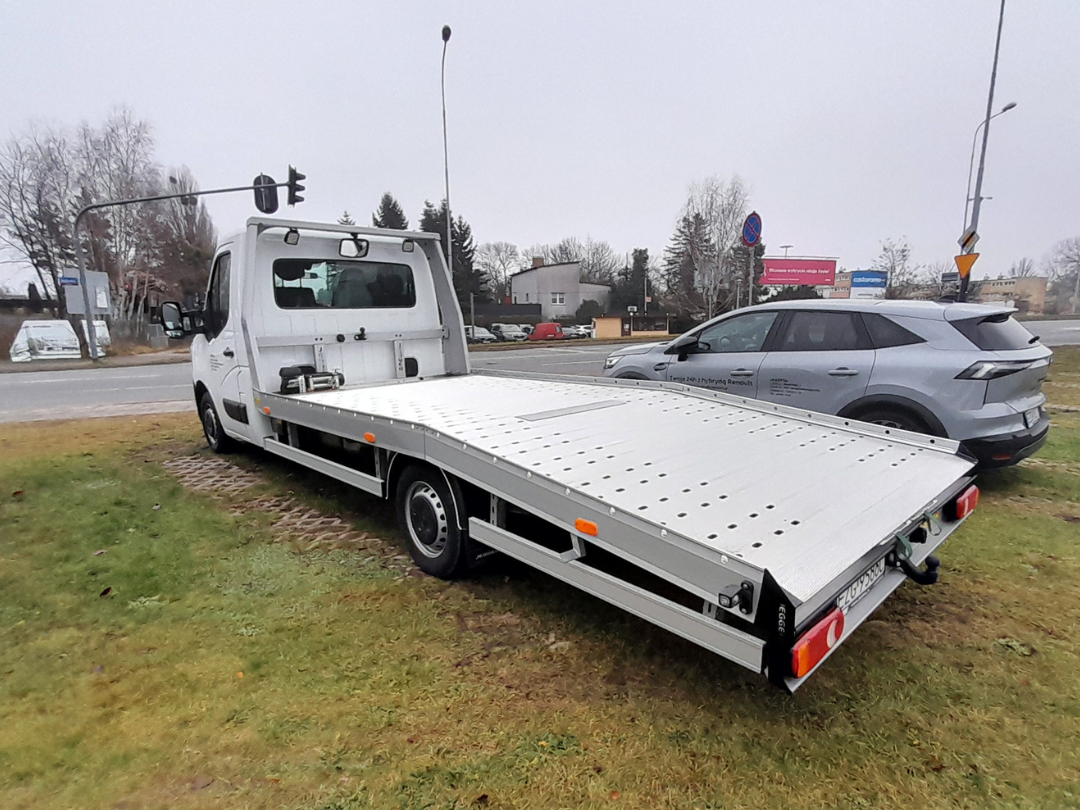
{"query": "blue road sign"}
pixel 69 281
pixel 751 229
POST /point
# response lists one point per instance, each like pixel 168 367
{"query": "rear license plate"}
pixel 858 589
pixel 1031 417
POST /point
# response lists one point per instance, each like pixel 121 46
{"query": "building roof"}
pixel 541 267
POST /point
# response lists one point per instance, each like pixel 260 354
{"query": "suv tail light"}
pixel 816 643
pixel 964 504
pixel 992 369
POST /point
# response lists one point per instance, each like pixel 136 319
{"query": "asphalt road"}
pixel 39 395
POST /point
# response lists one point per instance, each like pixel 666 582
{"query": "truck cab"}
pixel 286 304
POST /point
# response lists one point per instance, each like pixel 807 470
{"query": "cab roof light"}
pixel 292 237
pixel 408 246
pixel 816 643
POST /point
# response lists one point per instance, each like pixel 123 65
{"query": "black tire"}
pixel 896 418
pixel 215 435
pixel 428 518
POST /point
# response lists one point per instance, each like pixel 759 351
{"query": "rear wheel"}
pixel 428 518
pixel 215 436
pixel 895 418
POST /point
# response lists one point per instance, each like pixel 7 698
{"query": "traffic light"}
pixel 265 194
pixel 294 186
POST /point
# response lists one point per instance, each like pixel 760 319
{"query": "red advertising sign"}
pixel 815 272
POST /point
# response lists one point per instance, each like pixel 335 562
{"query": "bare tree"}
pixel 895 260
pixel 1064 265
pixel 532 252
pixel 1024 268
pixel 930 277
pixel 570 249
pixel 598 262
pixel 498 261
pixel 720 206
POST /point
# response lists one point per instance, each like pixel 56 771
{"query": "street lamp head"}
pixel 446 36
pixel 1008 106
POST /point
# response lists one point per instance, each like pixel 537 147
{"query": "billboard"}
pixel 869 283
pixel 783 272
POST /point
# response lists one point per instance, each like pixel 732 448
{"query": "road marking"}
pixel 572 363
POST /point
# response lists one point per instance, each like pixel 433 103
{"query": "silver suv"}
pixel 965 371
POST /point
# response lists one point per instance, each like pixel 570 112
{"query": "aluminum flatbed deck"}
pixel 802 495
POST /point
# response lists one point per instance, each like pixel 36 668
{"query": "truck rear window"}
pixel 996 333
pixel 342 284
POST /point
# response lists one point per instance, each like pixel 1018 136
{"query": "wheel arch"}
pixel 895 402
pixel 398 463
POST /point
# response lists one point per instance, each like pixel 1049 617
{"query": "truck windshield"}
pixel 342 284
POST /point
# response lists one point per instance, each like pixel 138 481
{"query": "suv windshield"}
pixel 995 333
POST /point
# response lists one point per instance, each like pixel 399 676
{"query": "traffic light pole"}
pixel 91 332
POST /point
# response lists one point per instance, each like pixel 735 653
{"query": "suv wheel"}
pixel 895 418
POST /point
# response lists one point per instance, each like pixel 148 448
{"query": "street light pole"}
pixel 977 202
pixel 786 248
pixel 971 162
pixel 446 160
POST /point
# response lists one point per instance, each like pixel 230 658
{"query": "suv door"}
pixel 821 361
pixel 727 355
pixel 222 349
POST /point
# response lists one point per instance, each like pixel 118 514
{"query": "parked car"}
pixel 577 332
pixel 509 332
pixel 527 328
pixel 547 331
pixel 478 334
pixel 964 371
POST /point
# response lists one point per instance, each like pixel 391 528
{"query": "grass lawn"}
pixel 163 648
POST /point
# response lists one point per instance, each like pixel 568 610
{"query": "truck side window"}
pixel 337 284
pixel 217 302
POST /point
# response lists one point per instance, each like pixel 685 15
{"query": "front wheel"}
pixel 428 518
pixel 215 436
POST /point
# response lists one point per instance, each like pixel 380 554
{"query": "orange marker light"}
pixel 369 437
pixel 266 410
pixel 586 527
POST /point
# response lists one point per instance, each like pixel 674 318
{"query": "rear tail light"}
pixel 992 369
pixel 816 643
pixel 964 504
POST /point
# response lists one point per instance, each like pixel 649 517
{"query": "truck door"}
pixel 223 352
pixel 727 355
pixel 821 361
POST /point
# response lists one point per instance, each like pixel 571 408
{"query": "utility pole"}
pixel 977 202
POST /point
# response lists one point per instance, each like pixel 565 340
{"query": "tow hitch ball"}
pixel 920 576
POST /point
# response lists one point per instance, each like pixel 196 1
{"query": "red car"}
pixel 547 331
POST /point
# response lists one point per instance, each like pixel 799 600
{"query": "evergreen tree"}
pixel 678 270
pixel 390 214
pixel 630 282
pixel 468 278
pixel 345 219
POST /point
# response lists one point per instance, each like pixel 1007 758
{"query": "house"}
pixel 557 288
pixel 1027 294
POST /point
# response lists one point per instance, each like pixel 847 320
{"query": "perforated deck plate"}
pixel 802 497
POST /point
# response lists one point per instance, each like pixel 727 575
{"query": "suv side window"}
pixel 885 332
pixel 217 301
pixel 743 333
pixel 809 331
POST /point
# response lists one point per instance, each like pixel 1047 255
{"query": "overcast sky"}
pixel 851 121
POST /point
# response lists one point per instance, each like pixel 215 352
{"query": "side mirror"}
pixel 172 319
pixel 683 345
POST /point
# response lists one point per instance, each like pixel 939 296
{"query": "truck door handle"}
pixel 843 372
pixel 229 353
pixel 742 372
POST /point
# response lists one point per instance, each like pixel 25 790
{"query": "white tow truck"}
pixel 763 533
